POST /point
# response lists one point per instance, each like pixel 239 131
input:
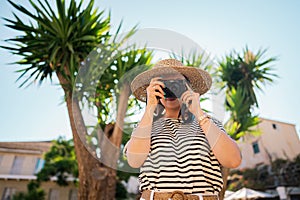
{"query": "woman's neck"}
pixel 172 113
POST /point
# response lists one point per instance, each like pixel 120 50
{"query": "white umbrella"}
pixel 228 193
pixel 246 193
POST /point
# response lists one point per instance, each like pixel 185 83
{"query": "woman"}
pixel 178 147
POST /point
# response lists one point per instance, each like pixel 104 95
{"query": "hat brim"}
pixel 199 79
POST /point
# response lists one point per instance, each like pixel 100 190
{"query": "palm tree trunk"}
pixel 122 108
pixel 111 140
pixel 96 181
pixel 225 174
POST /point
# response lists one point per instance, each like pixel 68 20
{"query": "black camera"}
pixel 174 88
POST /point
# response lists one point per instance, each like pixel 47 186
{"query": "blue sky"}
pixel 38 113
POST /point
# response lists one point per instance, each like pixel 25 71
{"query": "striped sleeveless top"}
pixel 180 158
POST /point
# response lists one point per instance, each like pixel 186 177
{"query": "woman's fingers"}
pixel 189 97
pixel 155 90
pixel 159 94
pixel 156 81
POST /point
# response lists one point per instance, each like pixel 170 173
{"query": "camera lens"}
pixel 174 88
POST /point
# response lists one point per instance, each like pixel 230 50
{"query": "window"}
pixel 17 165
pixel 39 165
pixel 73 194
pixel 255 147
pixel 53 194
pixel 274 126
pixel 8 193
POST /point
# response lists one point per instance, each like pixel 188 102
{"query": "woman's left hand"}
pixel 192 101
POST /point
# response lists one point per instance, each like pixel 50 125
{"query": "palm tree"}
pixel 57 42
pixel 240 76
pixel 112 87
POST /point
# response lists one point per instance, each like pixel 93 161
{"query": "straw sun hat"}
pixel 199 79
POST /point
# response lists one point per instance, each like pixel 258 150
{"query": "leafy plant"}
pixel 60 162
pixel 279 173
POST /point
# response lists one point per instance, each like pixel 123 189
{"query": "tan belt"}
pixel 175 195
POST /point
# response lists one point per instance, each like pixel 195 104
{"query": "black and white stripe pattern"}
pixel 180 158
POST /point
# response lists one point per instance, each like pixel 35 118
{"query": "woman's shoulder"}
pixel 215 119
pixel 217 122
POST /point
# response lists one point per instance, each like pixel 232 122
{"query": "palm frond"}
pixel 55 41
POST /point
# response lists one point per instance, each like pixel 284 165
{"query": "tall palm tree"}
pixel 240 76
pixel 57 42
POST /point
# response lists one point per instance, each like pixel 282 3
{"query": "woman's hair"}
pixel 184 112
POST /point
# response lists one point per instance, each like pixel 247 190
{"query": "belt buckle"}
pixel 184 197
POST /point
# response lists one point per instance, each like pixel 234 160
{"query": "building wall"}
pixel 277 140
pixel 64 193
pixel 6 163
pixel 18 164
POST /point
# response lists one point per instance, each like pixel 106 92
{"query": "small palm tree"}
pixel 240 76
pixel 112 99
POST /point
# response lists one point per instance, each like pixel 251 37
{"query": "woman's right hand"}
pixel 154 91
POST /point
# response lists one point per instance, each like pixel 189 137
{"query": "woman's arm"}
pixel 138 146
pixel 223 146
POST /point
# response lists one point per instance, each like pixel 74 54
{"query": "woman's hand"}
pixel 154 91
pixel 191 99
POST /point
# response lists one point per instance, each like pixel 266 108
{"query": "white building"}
pixel 277 140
